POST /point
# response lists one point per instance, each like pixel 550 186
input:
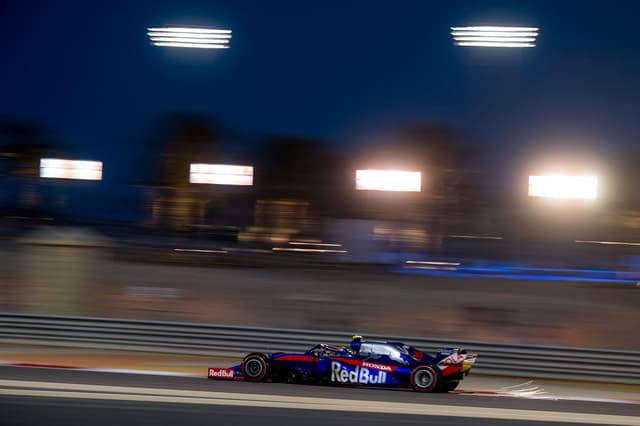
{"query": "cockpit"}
pixel 376 350
pixel 321 350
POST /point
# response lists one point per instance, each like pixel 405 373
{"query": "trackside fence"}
pixel 221 340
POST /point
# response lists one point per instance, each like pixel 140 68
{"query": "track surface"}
pixel 82 398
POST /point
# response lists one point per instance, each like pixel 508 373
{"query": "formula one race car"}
pixel 386 364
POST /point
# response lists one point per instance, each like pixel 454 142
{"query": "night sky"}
pixel 338 70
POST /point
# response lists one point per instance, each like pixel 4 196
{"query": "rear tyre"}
pixel 425 379
pixel 255 367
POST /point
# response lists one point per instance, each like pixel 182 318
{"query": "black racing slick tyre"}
pixel 425 379
pixel 255 367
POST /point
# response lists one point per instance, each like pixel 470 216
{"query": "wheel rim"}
pixel 424 379
pixel 253 368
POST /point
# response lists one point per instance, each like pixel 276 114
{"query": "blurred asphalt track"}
pixel 33 396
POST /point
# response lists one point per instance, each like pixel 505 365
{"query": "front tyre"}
pixel 425 379
pixel 254 368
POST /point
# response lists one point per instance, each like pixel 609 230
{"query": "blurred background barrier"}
pixel 216 340
pixel 76 272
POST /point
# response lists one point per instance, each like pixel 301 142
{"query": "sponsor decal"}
pixel 447 370
pixel 359 375
pixel 453 359
pixel 221 373
pixel 377 366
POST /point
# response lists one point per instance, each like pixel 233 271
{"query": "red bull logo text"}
pixel 359 375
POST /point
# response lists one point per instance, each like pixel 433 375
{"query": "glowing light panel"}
pixel 70 169
pixel 221 174
pixel 493 36
pixel 201 38
pixel 388 180
pixel 557 186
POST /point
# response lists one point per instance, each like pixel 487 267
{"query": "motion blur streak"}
pixel 498 273
pixel 425 262
pixel 612 243
pixel 476 237
pixel 308 250
pixel 314 243
pixel 200 250
pixel 119 393
pixel 437 266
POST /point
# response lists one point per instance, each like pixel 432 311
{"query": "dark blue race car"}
pixel 386 364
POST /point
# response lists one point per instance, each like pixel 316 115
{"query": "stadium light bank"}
pixel 198 38
pixel 495 36
pixel 388 180
pixel 58 168
pixel 562 186
pixel 221 174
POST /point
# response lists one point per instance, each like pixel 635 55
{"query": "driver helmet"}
pixel 356 341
